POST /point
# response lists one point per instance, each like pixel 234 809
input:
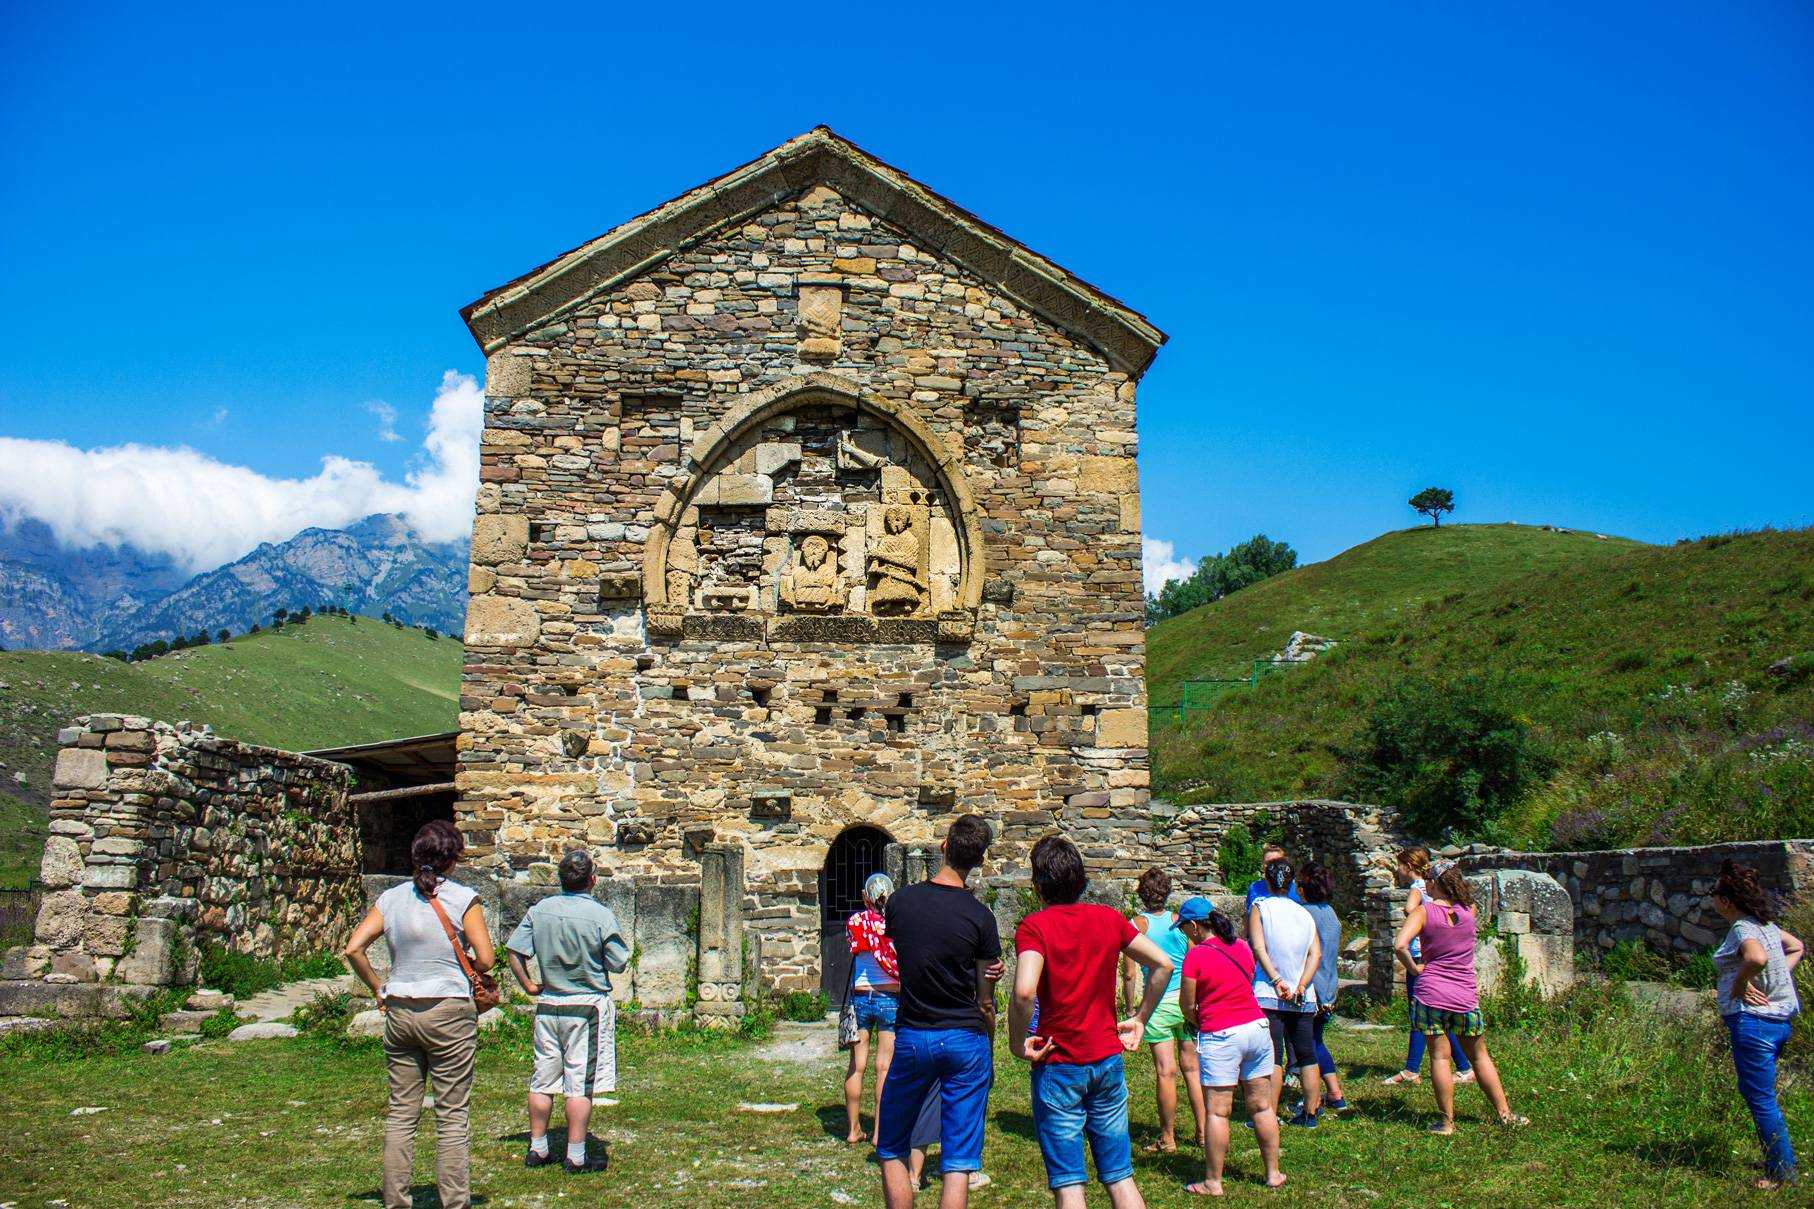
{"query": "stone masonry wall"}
pixel 1357 842
pixel 164 838
pixel 776 700
pixel 1658 896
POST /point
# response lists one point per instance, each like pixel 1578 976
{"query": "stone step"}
pixel 186 1021
pixel 71 1000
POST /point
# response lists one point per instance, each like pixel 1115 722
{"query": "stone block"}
pixel 369 1023
pixel 62 863
pixel 1121 728
pixel 500 538
pixel 1549 961
pixel 663 915
pixel 110 877
pixel 507 375
pixel 1109 476
pixel 71 1001
pixel 60 917
pixel 1513 922
pixel 80 768
pixel 501 621
pixel 187 1021
pixel 160 955
pixel 105 935
pixel 262 1030
pixel 74 966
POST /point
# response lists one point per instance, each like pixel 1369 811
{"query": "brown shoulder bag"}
pixel 485 993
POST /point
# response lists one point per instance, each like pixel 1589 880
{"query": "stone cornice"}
pixel 1124 337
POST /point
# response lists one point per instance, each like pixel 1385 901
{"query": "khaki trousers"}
pixel 429 1039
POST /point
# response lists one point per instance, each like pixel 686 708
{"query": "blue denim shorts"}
pixel 875 1009
pixel 958 1066
pixel 1071 1101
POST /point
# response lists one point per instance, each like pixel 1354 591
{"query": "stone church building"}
pixel 808 517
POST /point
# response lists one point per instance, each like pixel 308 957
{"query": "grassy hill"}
pixel 327 682
pixel 1643 672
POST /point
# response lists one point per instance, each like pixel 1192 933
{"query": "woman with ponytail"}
pixel 1757 1000
pixel 430 1021
pixel 1410 872
pixel 1447 1003
pixel 1234 1041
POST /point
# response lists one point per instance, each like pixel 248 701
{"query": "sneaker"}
pixel 532 1159
pixel 591 1164
pixel 1303 1120
pixel 1341 1105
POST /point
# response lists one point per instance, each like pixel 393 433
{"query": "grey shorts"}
pixel 575 1048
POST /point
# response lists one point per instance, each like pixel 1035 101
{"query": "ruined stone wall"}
pixel 1658 896
pixel 165 838
pixel 661 656
pixel 1357 842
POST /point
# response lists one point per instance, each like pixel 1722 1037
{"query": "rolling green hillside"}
pixel 1644 672
pixel 327 682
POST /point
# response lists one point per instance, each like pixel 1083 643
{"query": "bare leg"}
pixel 1165 1074
pixel 1123 1194
pixel 1442 1074
pixel 1219 1101
pixel 1193 1084
pixel 1332 1084
pixel 1261 1104
pixel 897 1188
pixel 954 1191
pixel 853 1090
pixel 1312 1078
pixel 540 1109
pixel 1071 1196
pixel 1487 1074
pixel 916 1165
pixel 884 1056
pixel 579 1111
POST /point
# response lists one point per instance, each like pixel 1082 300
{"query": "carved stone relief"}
pixel 826 511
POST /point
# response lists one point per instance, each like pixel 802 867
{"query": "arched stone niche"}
pixel 818 512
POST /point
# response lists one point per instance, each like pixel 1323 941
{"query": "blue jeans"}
pixel 874 1009
pixel 1414 1052
pixel 962 1065
pixel 1757 1042
pixel 1071 1100
pixel 1324 1062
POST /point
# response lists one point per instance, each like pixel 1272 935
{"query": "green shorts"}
pixel 1167 1022
pixel 1441 1020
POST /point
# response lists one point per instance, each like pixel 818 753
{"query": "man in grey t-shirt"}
pixel 577 946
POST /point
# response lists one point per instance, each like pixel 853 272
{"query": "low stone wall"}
pixel 1658 895
pixel 1356 841
pixel 166 838
pixel 1527 912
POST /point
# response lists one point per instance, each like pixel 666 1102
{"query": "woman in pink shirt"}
pixel 1234 1042
pixel 1447 1001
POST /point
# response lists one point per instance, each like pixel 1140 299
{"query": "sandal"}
pixel 1159 1148
pixel 1403 1076
pixel 1442 1129
pixel 1514 1121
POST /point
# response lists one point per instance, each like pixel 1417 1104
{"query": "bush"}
pixel 242 975
pixel 1634 961
pixel 803 1006
pixel 1238 857
pixel 1452 757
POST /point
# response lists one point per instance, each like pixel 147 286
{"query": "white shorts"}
pixel 575 1046
pixel 1235 1055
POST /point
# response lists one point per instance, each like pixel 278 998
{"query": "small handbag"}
pixel 485 992
pixel 847 1015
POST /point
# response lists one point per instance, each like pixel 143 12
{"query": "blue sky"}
pixel 1556 257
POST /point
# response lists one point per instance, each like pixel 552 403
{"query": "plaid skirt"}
pixel 1441 1020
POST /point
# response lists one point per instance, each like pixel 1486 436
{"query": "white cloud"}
pixel 387 420
pixel 204 512
pixel 218 418
pixel 1159 563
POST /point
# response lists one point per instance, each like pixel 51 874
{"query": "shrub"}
pixel 1634 961
pixel 243 975
pixel 1238 857
pixel 803 1006
pixel 1452 757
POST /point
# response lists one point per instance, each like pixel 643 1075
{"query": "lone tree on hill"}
pixel 1433 502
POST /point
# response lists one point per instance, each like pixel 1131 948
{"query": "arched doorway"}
pixel 854 855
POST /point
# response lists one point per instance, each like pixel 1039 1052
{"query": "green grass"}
pixel 328 682
pixel 1624 1112
pixel 1645 672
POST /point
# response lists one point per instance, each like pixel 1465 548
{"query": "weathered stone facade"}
pixel 164 839
pixel 807 501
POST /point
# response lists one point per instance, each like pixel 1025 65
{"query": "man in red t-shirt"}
pixel 1068 955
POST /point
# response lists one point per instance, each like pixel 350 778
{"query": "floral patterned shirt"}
pixel 869 934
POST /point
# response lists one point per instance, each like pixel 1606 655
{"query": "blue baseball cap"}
pixel 1195 908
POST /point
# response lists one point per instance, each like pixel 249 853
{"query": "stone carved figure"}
pixel 812 584
pixel 896 586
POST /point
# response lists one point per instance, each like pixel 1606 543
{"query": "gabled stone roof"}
pixel 819 157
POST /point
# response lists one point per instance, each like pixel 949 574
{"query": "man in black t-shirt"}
pixel 948 950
